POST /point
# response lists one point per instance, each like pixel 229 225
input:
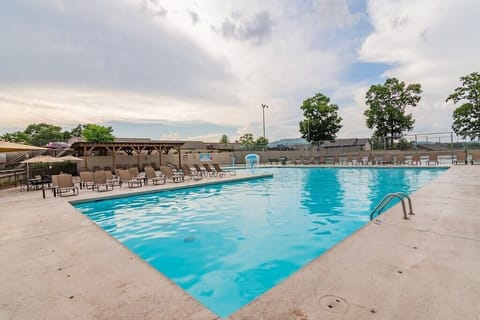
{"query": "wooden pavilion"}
pixel 127 146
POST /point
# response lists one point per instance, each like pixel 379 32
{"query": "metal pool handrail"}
pixel 389 197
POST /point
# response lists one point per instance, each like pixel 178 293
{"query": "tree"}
pixel 387 103
pixel 224 139
pixel 322 121
pixel 42 133
pixel 261 141
pixel 247 140
pixel 466 118
pixel 77 131
pixel 96 133
pixel 17 136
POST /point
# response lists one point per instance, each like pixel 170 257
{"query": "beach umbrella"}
pixel 70 158
pixel 41 159
pixel 44 159
pixel 17 147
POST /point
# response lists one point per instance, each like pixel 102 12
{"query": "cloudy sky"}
pixel 169 69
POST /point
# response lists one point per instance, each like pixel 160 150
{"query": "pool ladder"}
pixel 389 197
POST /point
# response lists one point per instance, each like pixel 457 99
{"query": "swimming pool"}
pixel 227 244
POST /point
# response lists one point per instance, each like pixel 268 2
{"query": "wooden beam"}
pixel 85 157
pixel 179 157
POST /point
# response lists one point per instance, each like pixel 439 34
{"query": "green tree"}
pixel 224 139
pixel 466 118
pixel 43 133
pixel 387 103
pixel 77 131
pixel 96 133
pixel 247 140
pixel 322 121
pixel 17 136
pixel 261 141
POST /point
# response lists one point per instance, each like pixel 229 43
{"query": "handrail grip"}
pixel 400 195
pixel 404 195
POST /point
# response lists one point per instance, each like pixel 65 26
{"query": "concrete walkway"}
pixel 57 264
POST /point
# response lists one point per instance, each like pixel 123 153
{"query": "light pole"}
pixel 263 111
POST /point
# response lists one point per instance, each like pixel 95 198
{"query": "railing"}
pixel 12 177
pixel 389 197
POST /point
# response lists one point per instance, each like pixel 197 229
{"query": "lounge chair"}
pixel 100 182
pixel 151 175
pixel 126 177
pixel 194 175
pixel 220 170
pixel 209 170
pixel 65 185
pixel 198 169
pixel 171 175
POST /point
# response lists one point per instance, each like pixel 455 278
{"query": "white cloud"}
pixel 131 60
pixel 429 42
pixel 67 62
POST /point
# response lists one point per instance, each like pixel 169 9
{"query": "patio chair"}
pixel 133 172
pixel 65 185
pixel 432 159
pixel 126 177
pixel 151 175
pixel 113 180
pixel 330 160
pixel 377 160
pixel 460 158
pixel 171 175
pixel 416 160
pixel 398 159
pixel 387 159
pixel 475 158
pixel 220 170
pixel 193 175
pixel 86 180
pixel 100 182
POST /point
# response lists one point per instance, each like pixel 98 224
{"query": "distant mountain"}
pixel 288 142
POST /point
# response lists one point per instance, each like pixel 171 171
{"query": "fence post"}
pixel 451 145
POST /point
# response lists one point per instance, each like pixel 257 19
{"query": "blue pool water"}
pixel 227 244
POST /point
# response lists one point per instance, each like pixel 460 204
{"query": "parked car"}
pixel 58 145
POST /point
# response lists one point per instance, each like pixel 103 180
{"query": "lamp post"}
pixel 263 112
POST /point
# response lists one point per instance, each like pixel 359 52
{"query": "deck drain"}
pixel 334 304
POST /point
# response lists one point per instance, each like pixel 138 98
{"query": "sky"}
pixel 195 70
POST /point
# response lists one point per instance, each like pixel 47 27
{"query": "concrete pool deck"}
pixel 57 264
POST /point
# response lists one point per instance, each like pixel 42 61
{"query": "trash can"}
pixel 283 160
